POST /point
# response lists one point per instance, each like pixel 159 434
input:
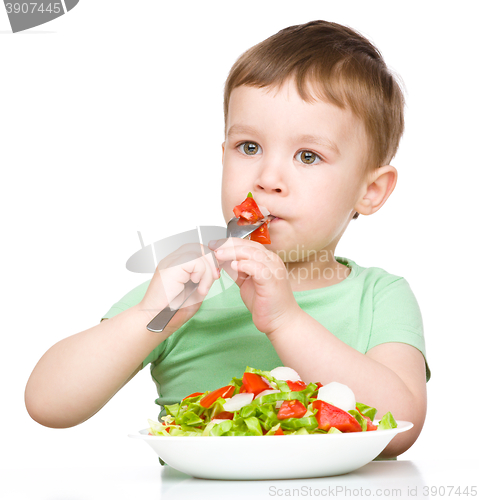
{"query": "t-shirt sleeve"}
pixel 131 299
pixel 397 317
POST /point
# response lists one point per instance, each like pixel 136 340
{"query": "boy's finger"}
pixel 261 274
pixel 214 244
pixel 213 263
pixel 237 277
pixel 228 253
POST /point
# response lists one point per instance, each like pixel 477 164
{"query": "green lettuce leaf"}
pixel 308 423
pixel 253 426
pixel 172 409
pixel 282 396
pixel 189 418
pixel 367 411
pixel 300 432
pixel 333 430
pixel 221 429
pixel 387 422
pixel 362 421
pixel 261 373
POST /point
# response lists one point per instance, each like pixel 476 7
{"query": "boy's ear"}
pixel 380 185
pixel 223 152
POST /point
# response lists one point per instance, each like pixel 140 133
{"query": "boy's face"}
pixel 303 162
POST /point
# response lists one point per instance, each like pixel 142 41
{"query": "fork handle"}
pixel 159 322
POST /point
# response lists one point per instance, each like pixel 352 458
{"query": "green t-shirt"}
pixel 368 308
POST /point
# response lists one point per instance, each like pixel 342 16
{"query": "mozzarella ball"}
pixel 285 373
pixel 338 395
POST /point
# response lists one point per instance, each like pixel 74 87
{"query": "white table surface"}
pixel 399 479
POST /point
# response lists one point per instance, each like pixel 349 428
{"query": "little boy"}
pixel 312 119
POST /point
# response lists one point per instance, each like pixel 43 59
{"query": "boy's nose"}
pixel 271 178
pixel 277 190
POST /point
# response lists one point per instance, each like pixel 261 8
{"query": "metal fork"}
pixel 236 230
pixel 159 322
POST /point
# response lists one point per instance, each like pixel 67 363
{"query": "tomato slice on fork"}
pixel 248 210
pixel 261 235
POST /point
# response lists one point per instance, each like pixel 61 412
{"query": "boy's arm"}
pixel 390 377
pixel 77 376
pixel 409 364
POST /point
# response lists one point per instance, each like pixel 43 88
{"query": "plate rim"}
pixel 403 426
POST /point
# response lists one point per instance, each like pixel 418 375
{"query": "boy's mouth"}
pixel 266 212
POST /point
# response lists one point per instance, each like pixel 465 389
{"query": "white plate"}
pixel 271 457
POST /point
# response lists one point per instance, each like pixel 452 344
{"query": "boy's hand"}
pixel 188 262
pixel 263 281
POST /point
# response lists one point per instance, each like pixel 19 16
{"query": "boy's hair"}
pixel 342 67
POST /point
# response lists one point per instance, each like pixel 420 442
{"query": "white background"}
pixel 111 122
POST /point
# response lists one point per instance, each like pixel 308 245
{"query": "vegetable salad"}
pixel 275 402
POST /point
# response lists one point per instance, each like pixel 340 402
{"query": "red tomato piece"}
pixel 299 385
pixel 371 426
pixel 261 235
pixel 291 409
pixel 330 416
pixel 248 210
pixel 222 392
pixel 319 384
pixel 252 382
pixel 279 432
pixel 226 415
pixel 167 429
pixel 193 395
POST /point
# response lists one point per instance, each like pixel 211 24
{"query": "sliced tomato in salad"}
pixel 193 395
pixel 299 385
pixel 167 429
pixel 331 416
pixel 253 383
pixel 279 432
pixel 291 409
pixel 222 392
pixel 225 415
pixel 248 210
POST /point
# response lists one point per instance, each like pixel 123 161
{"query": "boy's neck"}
pixel 310 275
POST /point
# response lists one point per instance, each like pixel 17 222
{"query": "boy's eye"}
pixel 249 148
pixel 308 157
